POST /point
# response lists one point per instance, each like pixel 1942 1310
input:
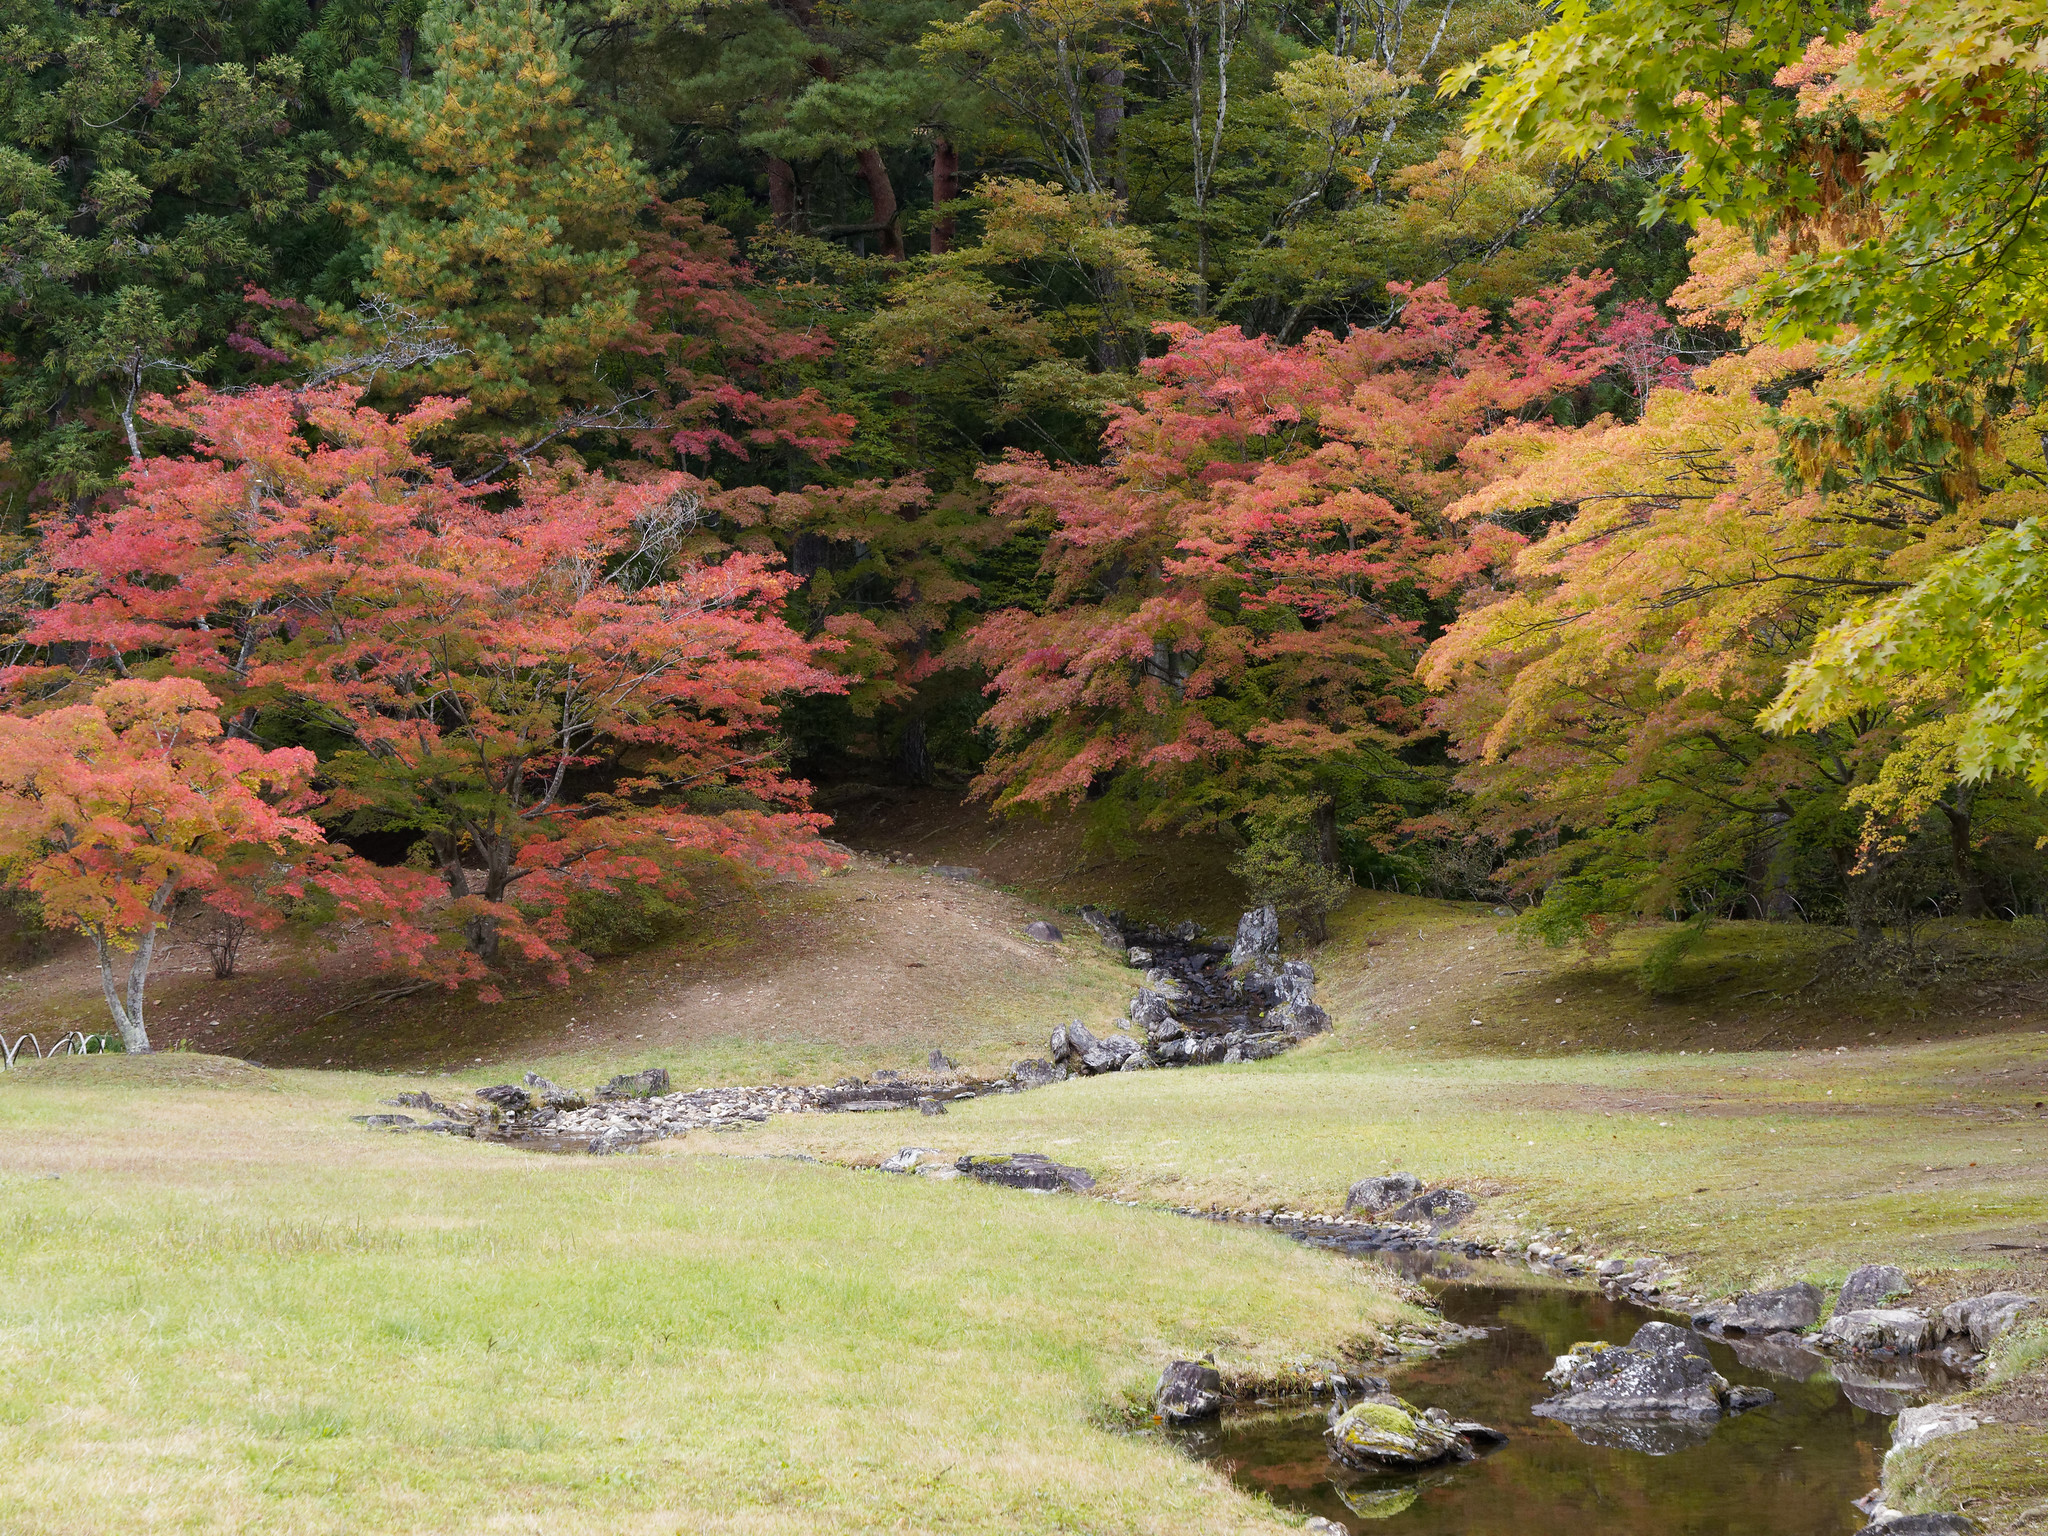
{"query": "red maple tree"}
pixel 542 685
pixel 1240 589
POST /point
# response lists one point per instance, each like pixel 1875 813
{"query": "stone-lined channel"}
pixel 1792 1468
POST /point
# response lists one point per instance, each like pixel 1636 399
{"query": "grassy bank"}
pixel 227 1308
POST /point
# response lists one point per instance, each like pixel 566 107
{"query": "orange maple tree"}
pixel 111 809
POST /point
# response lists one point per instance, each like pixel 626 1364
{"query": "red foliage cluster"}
pixel 1240 590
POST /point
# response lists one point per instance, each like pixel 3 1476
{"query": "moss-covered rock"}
pixel 1391 1433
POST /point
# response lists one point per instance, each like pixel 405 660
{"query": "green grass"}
pixel 233 1310
pixel 1749 1167
pixel 226 1308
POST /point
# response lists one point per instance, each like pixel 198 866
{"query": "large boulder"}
pixel 1916 1426
pixel 553 1095
pixel 1025 1170
pixel 1037 1074
pixel 1982 1319
pixel 513 1100
pixel 1106 926
pixel 1044 933
pixel 1439 1207
pixel 1382 1192
pixel 1295 983
pixel 1387 1432
pixel 1151 1012
pixel 1789 1309
pixel 1258 937
pixel 649 1084
pixel 1109 1053
pixel 1167 985
pixel 1072 1040
pixel 1189 1390
pixel 1871 1286
pixel 1299 1020
pixel 1876 1330
pixel 1661 1373
pixel 907 1159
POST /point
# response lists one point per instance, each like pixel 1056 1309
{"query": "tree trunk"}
pixel 1967 883
pixel 913 753
pixel 882 198
pixel 782 193
pixel 1108 128
pixel 945 187
pixel 128 1004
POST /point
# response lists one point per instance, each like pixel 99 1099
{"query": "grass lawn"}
pixel 232 1309
pixel 227 1308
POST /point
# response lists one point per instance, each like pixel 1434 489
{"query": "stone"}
pixel 511 1099
pixel 1440 1208
pixel 1791 1308
pixel 1661 1373
pixel 554 1095
pixel 1316 1525
pixel 1106 926
pixel 1258 937
pixel 1299 1020
pixel 1057 1047
pixel 649 1084
pixel 1189 1390
pixel 927 1105
pixel 1044 932
pixel 1871 1286
pixel 939 1061
pixel 1079 1040
pixel 906 1160
pixel 1981 1319
pixel 885 1075
pixel 1137 1061
pixel 1872 1330
pixel 1109 1053
pixel 1301 970
pixel 1382 1192
pixel 1920 1525
pixel 1167 985
pixel 1386 1432
pixel 1290 986
pixel 1742 1399
pixel 1025 1170
pixel 1038 1074
pixel 382 1122
pixel 1150 1011
pixel 1916 1426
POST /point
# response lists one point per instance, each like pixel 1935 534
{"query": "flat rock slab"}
pixel 1025 1170
pixel 1871 1286
pixel 1874 1330
pixel 1786 1310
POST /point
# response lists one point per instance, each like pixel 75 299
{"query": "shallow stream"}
pixel 1789 1469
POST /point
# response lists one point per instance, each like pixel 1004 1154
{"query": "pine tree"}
pixel 502 213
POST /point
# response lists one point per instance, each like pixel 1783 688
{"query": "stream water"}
pixel 1789 1469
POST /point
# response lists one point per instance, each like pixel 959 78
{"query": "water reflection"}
pixel 1790 1469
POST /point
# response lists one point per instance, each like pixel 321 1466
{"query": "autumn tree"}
pixel 1239 592
pixel 112 808
pixel 1889 177
pixel 550 693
